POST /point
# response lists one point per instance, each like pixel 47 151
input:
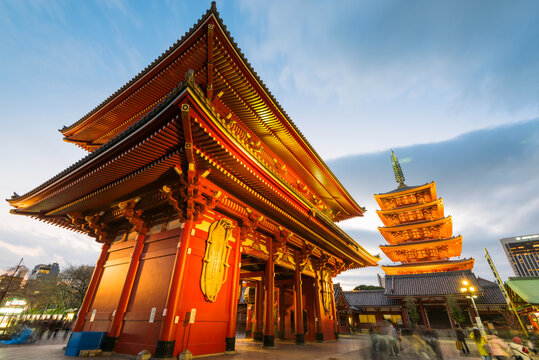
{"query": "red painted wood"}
pixel 270 284
pixel 176 284
pixel 299 301
pixel 317 305
pixel 92 287
pixel 149 290
pixel 259 307
pixel 127 287
pixel 235 276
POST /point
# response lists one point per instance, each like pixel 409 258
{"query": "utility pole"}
pixel 10 281
pixel 504 292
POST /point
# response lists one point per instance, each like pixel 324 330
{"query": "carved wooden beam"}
pixel 249 224
pixel 279 243
pixel 98 229
pixel 127 209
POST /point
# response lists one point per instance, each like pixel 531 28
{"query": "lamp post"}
pixel 470 293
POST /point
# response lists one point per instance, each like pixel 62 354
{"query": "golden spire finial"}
pixel 399 176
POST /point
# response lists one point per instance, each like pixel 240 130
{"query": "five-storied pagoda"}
pixel 197 183
pixel 420 237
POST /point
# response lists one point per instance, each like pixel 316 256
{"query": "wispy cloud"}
pixel 396 74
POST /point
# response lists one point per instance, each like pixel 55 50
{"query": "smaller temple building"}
pixel 432 295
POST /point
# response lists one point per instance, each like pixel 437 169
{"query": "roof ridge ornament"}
pixel 397 170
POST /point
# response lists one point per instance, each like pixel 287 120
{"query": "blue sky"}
pixel 358 78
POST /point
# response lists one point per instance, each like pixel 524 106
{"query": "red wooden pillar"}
pixel 171 316
pixel 92 287
pixel 473 315
pixel 269 330
pixel 282 313
pixel 450 317
pixel 117 320
pixel 334 310
pixel 233 307
pixel 424 315
pixel 405 322
pixel 298 294
pixel 318 311
pixel 249 321
pixel 533 322
pixel 259 312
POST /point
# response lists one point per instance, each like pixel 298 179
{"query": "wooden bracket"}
pixel 134 217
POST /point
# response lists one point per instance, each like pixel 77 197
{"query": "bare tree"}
pixel 74 281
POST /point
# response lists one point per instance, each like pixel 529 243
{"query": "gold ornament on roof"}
pixel 397 170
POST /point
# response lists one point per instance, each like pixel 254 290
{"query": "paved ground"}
pixel 347 348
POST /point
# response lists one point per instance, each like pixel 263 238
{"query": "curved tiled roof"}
pixel 431 284
pixel 364 298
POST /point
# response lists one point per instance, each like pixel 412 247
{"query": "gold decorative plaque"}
pixel 215 263
pixel 326 291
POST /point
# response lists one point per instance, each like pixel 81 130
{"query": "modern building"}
pixel 45 272
pixel 523 254
pixel 197 182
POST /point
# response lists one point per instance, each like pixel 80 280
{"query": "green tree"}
pixel 367 287
pixel 456 311
pixel 411 309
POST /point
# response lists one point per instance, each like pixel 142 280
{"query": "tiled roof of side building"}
pixel 492 295
pixel 337 289
pixel 364 298
pixel 431 284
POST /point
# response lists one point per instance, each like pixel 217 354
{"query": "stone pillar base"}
pixel 300 339
pixel 108 343
pixel 230 344
pixel 248 333
pixel 258 336
pixel 280 335
pixel 319 337
pixel 269 341
pixel 164 349
pixel 336 336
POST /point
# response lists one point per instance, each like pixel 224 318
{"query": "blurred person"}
pixel 519 351
pixel 531 345
pixel 481 343
pixel 415 347
pixel 462 338
pixel 498 348
pixel 431 338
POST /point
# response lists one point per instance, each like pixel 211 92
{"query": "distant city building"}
pixel 523 254
pixel 43 271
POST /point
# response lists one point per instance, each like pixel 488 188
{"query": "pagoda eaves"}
pixel 428 267
pixel 427 249
pixel 434 229
pixel 407 196
pixel 413 213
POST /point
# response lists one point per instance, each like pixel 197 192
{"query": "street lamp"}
pixel 470 293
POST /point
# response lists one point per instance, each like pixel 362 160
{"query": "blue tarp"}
pixel 20 339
